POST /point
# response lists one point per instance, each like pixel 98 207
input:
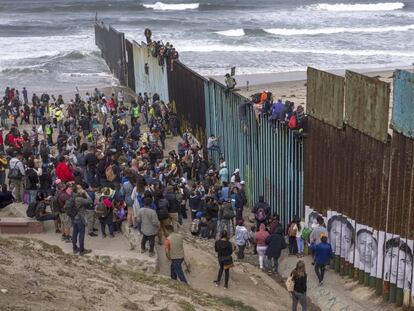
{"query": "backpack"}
pixel 14 173
pixel 162 213
pixel 290 284
pixel 31 210
pixel 70 207
pixel 6 139
pixel 261 214
pixel 292 230
pixel 228 213
pixel 195 226
pixel 306 232
pixel 109 173
pixel 54 205
pixel 293 123
pixel 101 210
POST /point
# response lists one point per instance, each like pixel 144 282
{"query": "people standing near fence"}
pixel 275 244
pixel 241 238
pixel 260 238
pixel 318 232
pixel 323 254
pixel 261 211
pixel 299 239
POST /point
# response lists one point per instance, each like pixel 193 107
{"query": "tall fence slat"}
pixel 112 45
pixel 325 97
pixel 130 65
pixel 186 93
pixel 150 76
pixel 367 104
pixel 403 103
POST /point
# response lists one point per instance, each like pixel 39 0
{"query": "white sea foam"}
pixel 232 33
pixel 342 7
pixel 86 74
pixel 334 30
pixel 160 6
pixel 15 48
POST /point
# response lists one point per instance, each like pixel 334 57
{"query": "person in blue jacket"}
pixel 323 255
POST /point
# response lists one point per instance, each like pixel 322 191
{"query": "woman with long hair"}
pixel 224 250
pixel 299 277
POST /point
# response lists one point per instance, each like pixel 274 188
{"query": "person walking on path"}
pixel 323 255
pixel 317 233
pixel 224 250
pixel 77 202
pixel 299 240
pixel 174 250
pixel 260 239
pixel 17 175
pixel 299 291
pixel 241 237
pixel 150 225
pixel 275 243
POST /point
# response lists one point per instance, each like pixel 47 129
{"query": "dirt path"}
pixel 246 284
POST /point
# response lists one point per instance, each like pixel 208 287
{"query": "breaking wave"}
pixel 342 7
pixel 319 31
pixel 160 6
pixel 232 32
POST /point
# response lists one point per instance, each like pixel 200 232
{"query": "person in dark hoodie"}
pixel 195 203
pixel 275 243
pixel 224 250
pixel 261 211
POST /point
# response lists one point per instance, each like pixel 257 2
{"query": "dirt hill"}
pixel 35 275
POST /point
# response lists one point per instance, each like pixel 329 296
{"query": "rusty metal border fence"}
pixel 403 111
pixel 187 95
pixel 367 104
pixel 130 64
pixel 367 176
pixel 325 96
pixel 112 46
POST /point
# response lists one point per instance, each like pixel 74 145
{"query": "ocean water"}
pixel 49 44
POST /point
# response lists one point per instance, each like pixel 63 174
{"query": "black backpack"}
pixel 31 210
pixel 162 209
pixel 70 207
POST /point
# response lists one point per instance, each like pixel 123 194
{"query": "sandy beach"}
pixel 291 85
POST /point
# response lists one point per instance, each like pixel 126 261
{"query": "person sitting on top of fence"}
pixel 230 82
pixel 298 120
pixel 258 107
pixel 279 110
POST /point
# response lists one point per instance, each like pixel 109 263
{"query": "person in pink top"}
pixel 260 239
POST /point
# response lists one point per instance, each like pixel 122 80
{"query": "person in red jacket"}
pixel 64 171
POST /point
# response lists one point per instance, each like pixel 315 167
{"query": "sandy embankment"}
pixel 290 85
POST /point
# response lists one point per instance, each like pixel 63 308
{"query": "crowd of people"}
pixel 163 52
pixel 88 162
pixel 265 106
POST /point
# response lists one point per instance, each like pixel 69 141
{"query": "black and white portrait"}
pixel 341 236
pixel 366 249
pixel 398 262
